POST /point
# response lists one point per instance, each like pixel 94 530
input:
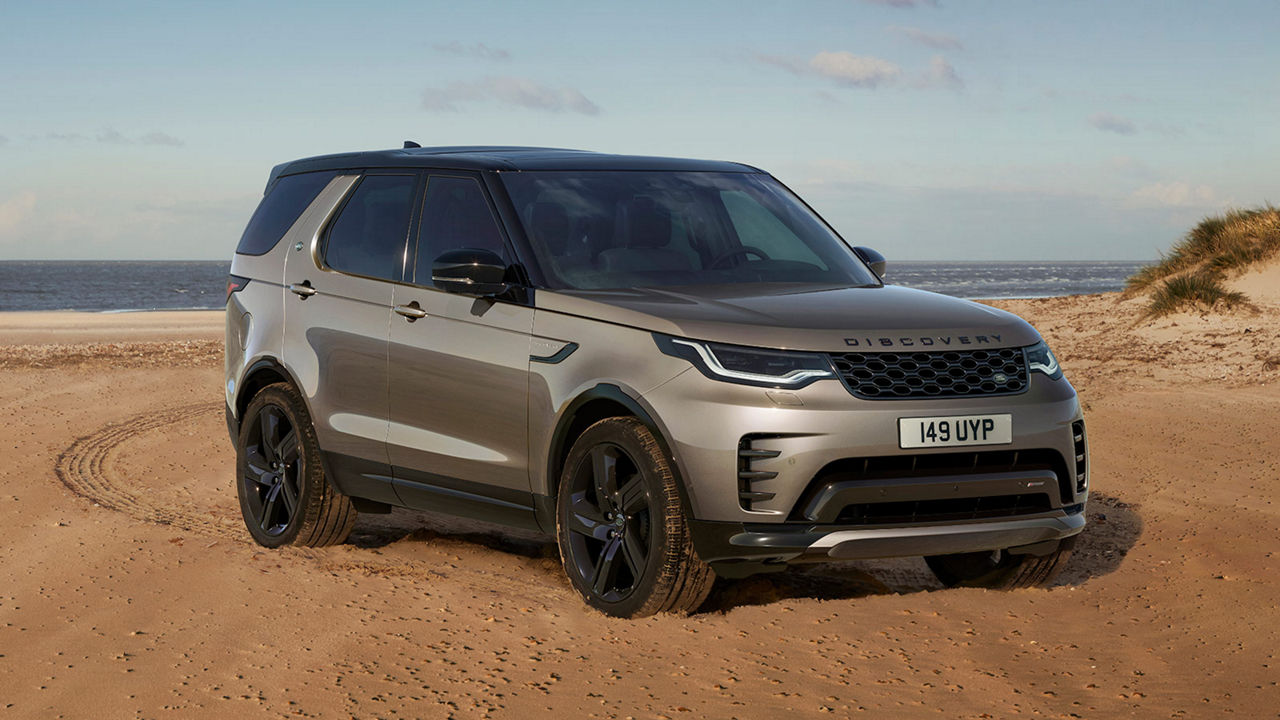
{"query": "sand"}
pixel 128 587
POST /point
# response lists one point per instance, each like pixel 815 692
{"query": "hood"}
pixel 801 317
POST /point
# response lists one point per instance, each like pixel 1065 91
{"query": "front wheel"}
pixel 624 541
pixel 284 496
pixel 1001 569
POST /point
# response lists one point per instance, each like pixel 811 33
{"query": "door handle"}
pixel 303 289
pixel 412 311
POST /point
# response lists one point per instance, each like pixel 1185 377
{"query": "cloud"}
pixel 1174 195
pixel 479 50
pixel 940 75
pixel 855 70
pixel 903 3
pixel 160 138
pixel 3 140
pixel 17 210
pixel 937 41
pixel 1107 122
pixel 792 65
pixel 111 136
pixel 508 90
pixel 863 71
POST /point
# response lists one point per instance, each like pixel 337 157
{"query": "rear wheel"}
pixel 285 498
pixel 1001 569
pixel 623 538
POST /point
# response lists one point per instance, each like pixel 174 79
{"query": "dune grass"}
pixel 1191 274
pixel 1196 290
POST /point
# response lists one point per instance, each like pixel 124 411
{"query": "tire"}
pixel 624 541
pixel 285 498
pixel 1000 569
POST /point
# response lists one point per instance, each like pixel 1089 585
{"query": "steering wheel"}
pixel 734 252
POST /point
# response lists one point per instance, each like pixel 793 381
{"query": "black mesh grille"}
pixel 942 510
pixel 950 373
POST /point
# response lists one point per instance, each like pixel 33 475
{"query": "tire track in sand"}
pixel 84 469
pixel 511 569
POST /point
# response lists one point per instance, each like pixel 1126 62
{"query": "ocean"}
pixel 114 286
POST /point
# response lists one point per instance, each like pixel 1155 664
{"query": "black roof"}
pixel 495 157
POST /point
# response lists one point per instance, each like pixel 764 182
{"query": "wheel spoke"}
pixel 586 519
pixel 606 570
pixel 287 449
pixel 634 554
pixel 289 496
pixel 269 423
pixel 634 496
pixel 269 508
pixel 604 472
pixel 259 472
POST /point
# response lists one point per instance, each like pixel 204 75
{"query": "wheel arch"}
pixel 604 400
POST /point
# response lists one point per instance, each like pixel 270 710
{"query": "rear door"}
pixel 459 375
pixel 338 313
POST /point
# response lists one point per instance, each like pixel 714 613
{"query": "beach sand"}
pixel 128 586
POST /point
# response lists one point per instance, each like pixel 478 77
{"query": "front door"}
pixel 459 373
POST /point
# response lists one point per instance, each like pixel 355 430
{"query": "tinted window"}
pixel 604 229
pixel 279 210
pixel 369 237
pixel 455 215
pixel 760 229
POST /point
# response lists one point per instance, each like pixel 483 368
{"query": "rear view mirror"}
pixel 873 259
pixel 470 271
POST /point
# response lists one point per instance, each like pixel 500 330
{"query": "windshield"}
pixel 605 230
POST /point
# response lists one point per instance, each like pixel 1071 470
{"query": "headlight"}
pixel 1040 359
pixel 749 366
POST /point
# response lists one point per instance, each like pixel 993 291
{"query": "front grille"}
pixel 949 509
pixel 949 373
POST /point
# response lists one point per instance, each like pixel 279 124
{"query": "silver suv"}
pixel 675 366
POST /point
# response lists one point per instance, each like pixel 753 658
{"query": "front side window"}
pixel 455 215
pixel 369 236
pixel 610 229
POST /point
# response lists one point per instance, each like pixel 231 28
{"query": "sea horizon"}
pixel 140 285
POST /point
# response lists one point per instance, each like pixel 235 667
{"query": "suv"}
pixel 675 366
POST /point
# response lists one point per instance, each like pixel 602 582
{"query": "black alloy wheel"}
pixel 609 522
pixel 285 498
pixel 621 525
pixel 271 470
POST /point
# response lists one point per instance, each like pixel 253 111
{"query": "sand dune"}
pixel 128 588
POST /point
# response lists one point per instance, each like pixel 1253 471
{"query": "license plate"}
pixel 955 431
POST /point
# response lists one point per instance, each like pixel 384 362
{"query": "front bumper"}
pixel 794 439
pixel 737 549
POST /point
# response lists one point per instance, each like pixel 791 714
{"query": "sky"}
pixel 927 129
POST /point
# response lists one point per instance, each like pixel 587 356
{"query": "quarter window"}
pixel 369 236
pixel 280 209
pixel 455 215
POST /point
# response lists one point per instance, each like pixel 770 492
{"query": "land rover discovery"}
pixel 674 366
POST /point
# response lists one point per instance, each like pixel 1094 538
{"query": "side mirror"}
pixel 873 259
pixel 469 271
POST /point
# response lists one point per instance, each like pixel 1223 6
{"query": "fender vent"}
pixel 1082 456
pixel 747 475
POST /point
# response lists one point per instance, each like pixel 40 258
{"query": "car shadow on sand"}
pixel 1114 528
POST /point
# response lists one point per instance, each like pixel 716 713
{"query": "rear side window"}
pixel 455 215
pixel 369 236
pixel 279 210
